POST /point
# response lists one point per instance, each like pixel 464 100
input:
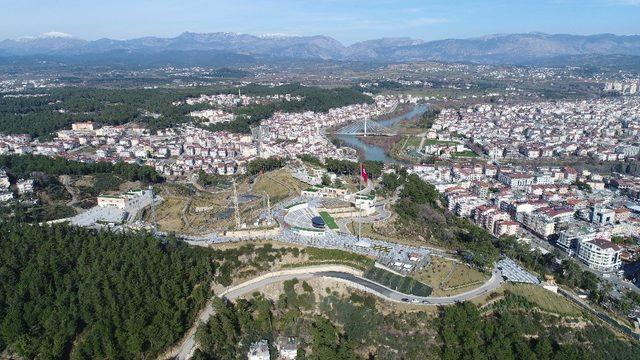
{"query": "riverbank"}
pixel 378 148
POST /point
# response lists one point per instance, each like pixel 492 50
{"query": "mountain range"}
pixel 499 48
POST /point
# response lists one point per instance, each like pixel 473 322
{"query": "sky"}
pixel 348 21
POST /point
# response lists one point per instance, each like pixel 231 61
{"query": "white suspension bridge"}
pixel 365 127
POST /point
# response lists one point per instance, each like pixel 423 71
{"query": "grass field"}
pixel 463 275
pixel 545 299
pixel 278 184
pixel 328 220
pixel 434 273
pixel 462 278
pixel 368 231
pixel 334 256
pixel 191 211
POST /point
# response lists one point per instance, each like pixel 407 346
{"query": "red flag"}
pixel 363 173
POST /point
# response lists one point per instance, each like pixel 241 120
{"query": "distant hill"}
pixel 516 48
pixel 498 49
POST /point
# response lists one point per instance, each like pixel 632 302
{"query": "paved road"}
pixel 371 287
pixel 188 346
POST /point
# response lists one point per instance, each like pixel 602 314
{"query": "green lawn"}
pixel 328 220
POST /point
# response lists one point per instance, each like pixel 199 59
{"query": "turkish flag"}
pixel 363 173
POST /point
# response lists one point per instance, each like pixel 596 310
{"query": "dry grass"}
pixel 544 299
pixel 434 273
pixel 368 230
pixel 278 184
pixel 190 212
pixel 462 279
pixel 464 275
pixel 168 214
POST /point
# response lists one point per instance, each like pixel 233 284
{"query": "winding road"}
pixel 344 274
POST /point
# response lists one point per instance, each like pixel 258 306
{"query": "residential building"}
pixel 130 199
pixel 600 254
pixel 602 215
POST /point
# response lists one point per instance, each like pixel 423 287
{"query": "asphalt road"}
pixel 188 346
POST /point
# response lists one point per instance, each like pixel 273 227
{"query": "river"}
pixel 375 152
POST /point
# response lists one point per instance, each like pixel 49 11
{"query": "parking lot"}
pixel 98 215
pixel 513 272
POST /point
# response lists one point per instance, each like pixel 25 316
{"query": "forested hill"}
pixel 22 165
pixel 73 293
pixel 55 109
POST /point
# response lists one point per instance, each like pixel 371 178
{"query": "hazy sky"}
pixel 346 20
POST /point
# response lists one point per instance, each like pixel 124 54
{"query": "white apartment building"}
pixel 599 254
pixel 5 196
pixel 515 180
pixel 569 239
